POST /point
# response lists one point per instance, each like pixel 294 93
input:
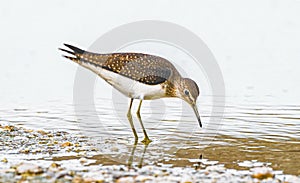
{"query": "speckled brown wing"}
pixel 145 68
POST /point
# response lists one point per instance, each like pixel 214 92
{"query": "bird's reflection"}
pixel 131 157
pixel 199 164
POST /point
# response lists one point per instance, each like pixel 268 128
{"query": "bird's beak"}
pixel 194 106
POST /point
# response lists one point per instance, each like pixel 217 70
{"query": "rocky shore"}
pixel 21 151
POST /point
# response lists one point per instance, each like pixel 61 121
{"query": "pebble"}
pixel 125 180
pixel 4 160
pixel 93 177
pixel 66 144
pixel 143 178
pixel 262 173
pixel 28 168
pixel 82 160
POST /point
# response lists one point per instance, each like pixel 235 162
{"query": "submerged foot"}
pixel 146 141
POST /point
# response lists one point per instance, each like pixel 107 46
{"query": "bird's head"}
pixel 189 91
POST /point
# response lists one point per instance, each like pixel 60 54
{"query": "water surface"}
pixel 250 132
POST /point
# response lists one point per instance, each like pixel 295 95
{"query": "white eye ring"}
pixel 186 92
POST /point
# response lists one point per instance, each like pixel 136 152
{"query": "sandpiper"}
pixel 138 76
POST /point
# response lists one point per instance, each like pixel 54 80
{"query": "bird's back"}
pixel 144 68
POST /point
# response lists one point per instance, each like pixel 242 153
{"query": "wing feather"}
pixel 145 68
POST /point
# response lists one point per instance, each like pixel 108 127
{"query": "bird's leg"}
pixel 129 116
pixel 146 140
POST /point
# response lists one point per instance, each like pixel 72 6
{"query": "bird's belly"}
pixel 129 87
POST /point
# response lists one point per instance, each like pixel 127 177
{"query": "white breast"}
pixel 128 87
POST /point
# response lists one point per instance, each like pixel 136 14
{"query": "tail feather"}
pixel 74 59
pixel 75 49
pixel 81 56
pixel 71 58
pixel 67 51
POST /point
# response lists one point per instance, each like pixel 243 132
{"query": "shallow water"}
pixel 249 133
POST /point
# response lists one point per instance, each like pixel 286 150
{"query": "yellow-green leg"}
pixel 129 116
pixel 146 140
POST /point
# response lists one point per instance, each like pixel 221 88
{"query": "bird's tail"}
pixel 76 53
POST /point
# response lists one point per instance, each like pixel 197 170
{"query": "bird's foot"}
pixel 146 141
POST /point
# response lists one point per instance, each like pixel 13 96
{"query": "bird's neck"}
pixel 172 88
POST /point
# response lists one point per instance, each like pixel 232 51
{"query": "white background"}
pixel 256 43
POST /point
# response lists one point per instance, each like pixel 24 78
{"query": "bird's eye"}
pixel 186 92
